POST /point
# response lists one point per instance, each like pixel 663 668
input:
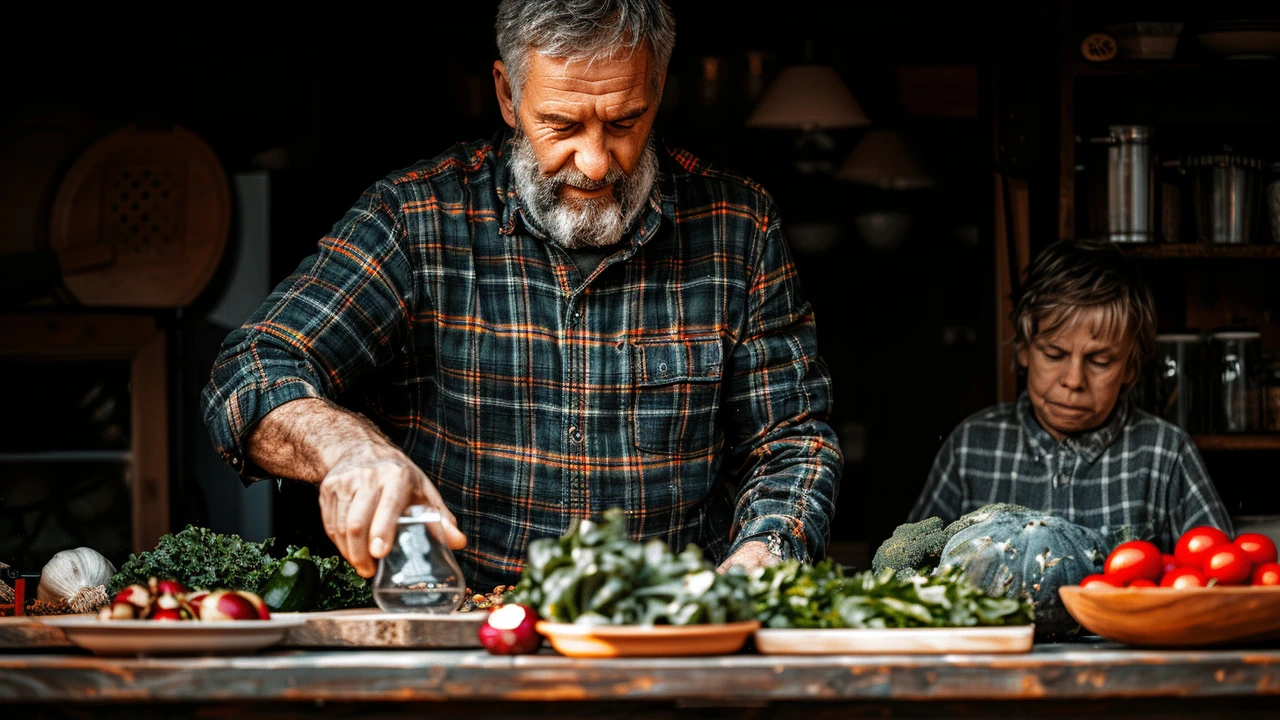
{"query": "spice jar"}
pixel 420 573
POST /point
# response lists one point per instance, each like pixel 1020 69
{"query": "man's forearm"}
pixel 303 439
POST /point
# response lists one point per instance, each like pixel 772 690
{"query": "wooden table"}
pixel 1053 680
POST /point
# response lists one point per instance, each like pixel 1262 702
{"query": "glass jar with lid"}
pixel 1234 359
pixel 1174 380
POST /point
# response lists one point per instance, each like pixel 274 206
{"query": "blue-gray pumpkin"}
pixel 1030 553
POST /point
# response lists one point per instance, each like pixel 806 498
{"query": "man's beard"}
pixel 582 222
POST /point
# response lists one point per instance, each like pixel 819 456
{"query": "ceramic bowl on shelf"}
pixel 1181 617
pixel 1146 40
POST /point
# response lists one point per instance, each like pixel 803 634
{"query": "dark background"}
pixel 333 103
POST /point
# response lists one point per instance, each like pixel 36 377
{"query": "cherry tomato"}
pixel 1195 542
pixel 1266 574
pixel 1257 546
pixel 1170 563
pixel 1142 582
pixel 1133 560
pixel 1227 564
pixel 1100 581
pixel 1184 577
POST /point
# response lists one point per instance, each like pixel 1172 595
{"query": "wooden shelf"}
pixel 1130 68
pixel 1196 251
pixel 1237 442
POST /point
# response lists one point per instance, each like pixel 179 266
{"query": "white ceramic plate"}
pixel 148 637
pixel 909 641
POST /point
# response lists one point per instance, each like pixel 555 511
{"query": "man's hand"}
pixel 751 555
pixel 361 498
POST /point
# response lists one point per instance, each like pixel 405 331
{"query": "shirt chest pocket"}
pixel 677 395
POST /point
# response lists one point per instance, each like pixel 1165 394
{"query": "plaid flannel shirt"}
pixel 679 382
pixel 1136 475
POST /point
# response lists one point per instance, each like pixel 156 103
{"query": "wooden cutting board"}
pixel 27 632
pixel 375 628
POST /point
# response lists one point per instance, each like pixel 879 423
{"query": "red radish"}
pixel 170 586
pixel 510 630
pixel 1266 574
pixel 135 595
pixel 1170 563
pixel 1257 546
pixel 258 604
pixel 119 611
pixel 1142 582
pixel 165 614
pixel 1197 541
pixel 222 605
pixel 1100 581
pixel 1133 560
pixel 1184 577
pixel 1227 564
pixel 194 599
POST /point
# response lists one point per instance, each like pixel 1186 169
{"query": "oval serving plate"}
pixel 896 641
pixel 191 637
pixel 604 641
pixel 1183 617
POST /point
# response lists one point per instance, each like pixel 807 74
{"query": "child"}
pixel 1072 444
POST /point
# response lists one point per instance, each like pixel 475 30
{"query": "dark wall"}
pixel 333 103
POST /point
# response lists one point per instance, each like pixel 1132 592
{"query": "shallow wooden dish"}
pixel 646 640
pixel 896 641
pixel 1168 617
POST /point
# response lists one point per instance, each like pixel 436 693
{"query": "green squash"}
pixel 1032 553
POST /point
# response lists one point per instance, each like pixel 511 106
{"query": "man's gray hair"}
pixel 582 30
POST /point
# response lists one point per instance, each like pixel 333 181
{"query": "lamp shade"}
pixel 885 158
pixel 808 97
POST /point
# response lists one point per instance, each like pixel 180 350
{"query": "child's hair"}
pixel 1073 277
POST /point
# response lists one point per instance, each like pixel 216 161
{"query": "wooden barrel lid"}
pixel 141 219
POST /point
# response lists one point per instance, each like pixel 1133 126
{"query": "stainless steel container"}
pixel 1130 184
pixel 1174 385
pixel 1226 190
pixel 1234 371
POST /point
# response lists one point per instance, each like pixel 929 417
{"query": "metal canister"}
pixel 1226 189
pixel 1234 368
pixel 1130 184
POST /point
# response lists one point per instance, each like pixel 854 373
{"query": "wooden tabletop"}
pixel 1073 672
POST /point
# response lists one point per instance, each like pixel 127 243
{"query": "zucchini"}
pixel 294 586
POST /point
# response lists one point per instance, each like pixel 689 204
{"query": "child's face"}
pixel 1074 377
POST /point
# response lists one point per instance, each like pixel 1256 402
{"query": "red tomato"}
pixel 1100 581
pixel 1266 574
pixel 1170 563
pixel 1195 542
pixel 1133 560
pixel 1184 577
pixel 1227 564
pixel 1257 546
pixel 1142 582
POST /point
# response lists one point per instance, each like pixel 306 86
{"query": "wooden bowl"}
pixel 1168 617
pixel 606 641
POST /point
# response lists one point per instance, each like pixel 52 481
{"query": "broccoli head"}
pixel 918 546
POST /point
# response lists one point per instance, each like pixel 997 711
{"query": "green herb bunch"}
pixel 596 575
pixel 791 595
pixel 201 558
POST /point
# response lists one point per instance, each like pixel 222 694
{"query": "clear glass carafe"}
pixel 420 573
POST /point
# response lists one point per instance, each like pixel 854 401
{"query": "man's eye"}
pixel 1101 363
pixel 623 125
pixel 1053 355
pixel 564 128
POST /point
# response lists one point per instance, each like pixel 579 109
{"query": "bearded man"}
pixel 561 320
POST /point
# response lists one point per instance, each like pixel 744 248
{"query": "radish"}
pixel 135 595
pixel 510 630
pixel 222 605
pixel 258 604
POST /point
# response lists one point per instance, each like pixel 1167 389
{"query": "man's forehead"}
pixel 1094 328
pixel 624 73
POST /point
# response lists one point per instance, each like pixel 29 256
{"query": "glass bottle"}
pixel 420 573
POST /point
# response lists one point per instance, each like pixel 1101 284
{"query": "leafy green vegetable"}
pixel 792 595
pixel 917 547
pixel 596 575
pixel 201 558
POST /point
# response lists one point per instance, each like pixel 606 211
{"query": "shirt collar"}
pixel 662 202
pixel 1088 445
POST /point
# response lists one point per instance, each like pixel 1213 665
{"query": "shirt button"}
pixel 662 368
pixel 575 434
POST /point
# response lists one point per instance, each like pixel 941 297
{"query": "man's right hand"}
pixel 363 495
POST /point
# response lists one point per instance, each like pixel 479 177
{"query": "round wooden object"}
pixel 141 219
pixel 1098 47
pixel 1169 617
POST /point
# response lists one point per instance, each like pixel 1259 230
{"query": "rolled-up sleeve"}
pixel 342 314
pixel 778 395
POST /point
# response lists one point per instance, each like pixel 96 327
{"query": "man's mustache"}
pixel 573 177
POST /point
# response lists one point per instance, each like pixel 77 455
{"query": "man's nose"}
pixel 592 156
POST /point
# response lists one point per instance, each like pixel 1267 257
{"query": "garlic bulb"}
pixel 71 570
